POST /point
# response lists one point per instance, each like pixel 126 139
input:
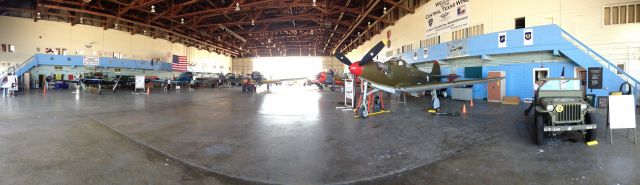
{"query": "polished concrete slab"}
pixel 288 135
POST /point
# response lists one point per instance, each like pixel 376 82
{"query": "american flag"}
pixel 179 63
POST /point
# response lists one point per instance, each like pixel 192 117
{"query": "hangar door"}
pixel 287 67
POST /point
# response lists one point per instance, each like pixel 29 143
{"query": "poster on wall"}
pixel 594 78
pixel 457 48
pixel 528 37
pixel 502 40
pixel 90 61
pixel 425 51
pixel 446 16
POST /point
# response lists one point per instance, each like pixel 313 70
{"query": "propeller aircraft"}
pixel 396 76
pixel 257 79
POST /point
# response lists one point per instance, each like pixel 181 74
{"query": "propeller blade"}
pixel 372 53
pixel 343 59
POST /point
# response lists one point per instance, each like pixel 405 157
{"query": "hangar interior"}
pixel 319 91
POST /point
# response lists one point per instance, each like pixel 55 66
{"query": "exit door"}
pixel 496 89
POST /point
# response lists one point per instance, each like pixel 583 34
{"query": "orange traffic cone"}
pixel 464 108
pixel 44 90
pixel 471 104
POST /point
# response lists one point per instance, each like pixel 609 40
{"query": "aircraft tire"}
pixel 363 112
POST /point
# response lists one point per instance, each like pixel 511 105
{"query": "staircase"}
pixel 25 66
pixel 587 57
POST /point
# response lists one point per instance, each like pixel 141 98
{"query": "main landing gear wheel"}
pixel 363 112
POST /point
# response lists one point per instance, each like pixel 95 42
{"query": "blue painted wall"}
pixel 519 76
pixel 76 60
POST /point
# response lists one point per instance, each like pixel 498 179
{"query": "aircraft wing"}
pixel 431 86
pixel 72 81
pixel 280 80
pixel 159 81
pixel 173 82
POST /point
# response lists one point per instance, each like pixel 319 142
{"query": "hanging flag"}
pixel 562 74
pixel 528 37
pixel 179 63
pixel 502 40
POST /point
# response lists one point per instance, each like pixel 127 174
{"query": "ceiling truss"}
pixel 238 28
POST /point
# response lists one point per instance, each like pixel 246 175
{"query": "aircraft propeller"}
pixel 343 59
pixel 372 53
pixel 356 68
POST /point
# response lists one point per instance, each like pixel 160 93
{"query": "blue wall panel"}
pixel 76 60
pixel 519 77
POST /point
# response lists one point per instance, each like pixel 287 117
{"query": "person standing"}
pixel 12 80
pixel 536 85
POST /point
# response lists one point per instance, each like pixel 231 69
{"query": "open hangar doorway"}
pixel 287 67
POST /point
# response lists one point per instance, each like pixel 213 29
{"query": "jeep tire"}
pixel 591 135
pixel 539 128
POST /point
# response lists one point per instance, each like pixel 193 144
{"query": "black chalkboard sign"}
pixel 473 72
pixel 594 78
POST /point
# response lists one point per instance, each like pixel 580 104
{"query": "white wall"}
pixel 581 18
pixel 28 35
pixel 245 65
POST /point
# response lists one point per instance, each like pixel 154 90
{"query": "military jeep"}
pixel 560 106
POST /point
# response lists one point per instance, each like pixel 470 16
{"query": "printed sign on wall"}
pixel 457 48
pixel 426 52
pixel 90 61
pixel 528 37
pixel 502 40
pixel 446 16
pixel 594 78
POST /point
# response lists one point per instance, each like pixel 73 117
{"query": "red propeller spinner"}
pixel 355 68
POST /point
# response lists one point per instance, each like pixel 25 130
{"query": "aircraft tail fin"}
pixel 435 70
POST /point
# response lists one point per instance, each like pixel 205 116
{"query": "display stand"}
pixel 349 94
pixel 139 84
pixel 621 114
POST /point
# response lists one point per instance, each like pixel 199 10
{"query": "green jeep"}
pixel 560 106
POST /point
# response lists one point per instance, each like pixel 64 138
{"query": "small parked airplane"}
pixel 329 79
pixel 396 76
pixel 185 78
pixel 257 79
pixel 99 79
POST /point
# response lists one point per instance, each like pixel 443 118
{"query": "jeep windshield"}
pixel 561 84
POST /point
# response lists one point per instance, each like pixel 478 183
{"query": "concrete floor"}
pixel 289 135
